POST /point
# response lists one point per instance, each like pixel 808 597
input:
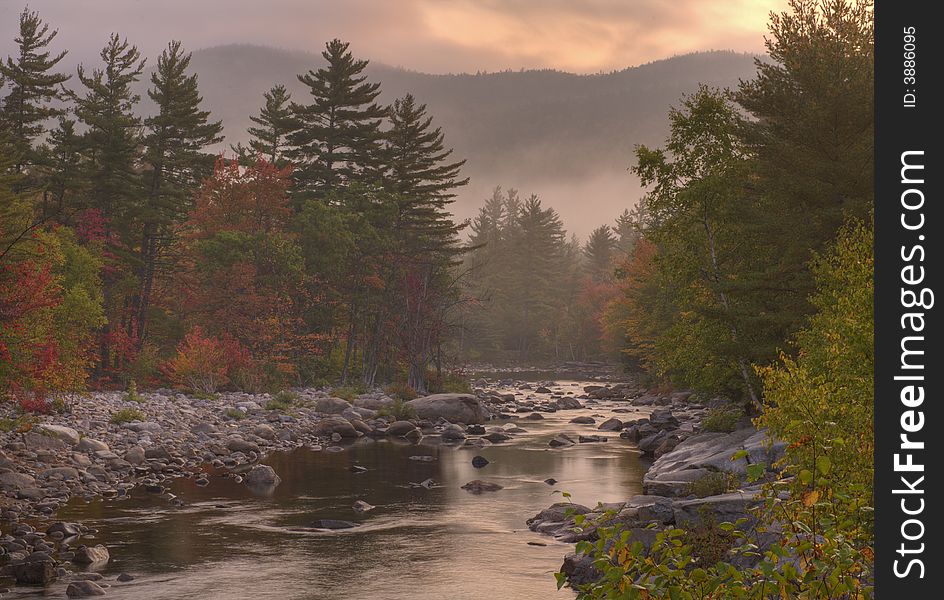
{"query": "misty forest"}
pixel 325 299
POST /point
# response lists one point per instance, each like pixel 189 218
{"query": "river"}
pixel 226 543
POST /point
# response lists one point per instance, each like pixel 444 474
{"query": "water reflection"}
pixel 439 543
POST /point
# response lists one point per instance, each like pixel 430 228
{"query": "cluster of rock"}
pixel 33 557
pixel 685 457
pixel 84 453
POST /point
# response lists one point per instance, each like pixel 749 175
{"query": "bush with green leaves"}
pixel 723 419
pixel 400 391
pixel 398 410
pixel 126 415
pixel 282 401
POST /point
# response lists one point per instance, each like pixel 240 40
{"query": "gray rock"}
pixel 339 425
pixel 262 476
pixel 583 420
pixel 86 555
pixel 66 473
pixel 568 403
pixel 497 437
pixel 724 508
pixel 91 445
pixel 264 431
pixel 613 424
pixel 135 455
pixel 400 428
pixel 41 442
pixel 477 486
pixel 560 441
pixel 331 524
pixel 67 434
pixel 84 589
pixel 11 481
pixel 34 573
pixel 455 408
pixel 331 406
pixel 361 507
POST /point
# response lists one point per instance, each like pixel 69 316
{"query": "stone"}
pixel 264 431
pixel 550 481
pixel 339 425
pixel 124 578
pixel 455 408
pixel 206 428
pixel 559 512
pixel 331 524
pixel 613 424
pixel 583 420
pixel 86 555
pixel 400 428
pixel 580 569
pixel 331 406
pixel 65 473
pixel 568 403
pixel 361 507
pixel 67 434
pixel 649 444
pixel 652 508
pixel 477 486
pixel 697 456
pixel 87 444
pixel 535 417
pixel 479 461
pixel 39 442
pixel 34 573
pixel 475 430
pixel 11 481
pixel 159 452
pixel 373 402
pixel 663 418
pixel 64 528
pixel 560 441
pixel 589 439
pixel 723 508
pixel 135 455
pixel 262 476
pixel 497 437
pixel 84 589
pixel 452 433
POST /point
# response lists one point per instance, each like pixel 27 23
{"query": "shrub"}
pixel 126 415
pixel 713 484
pixel 398 410
pixel 201 364
pixel 722 419
pixel 282 401
pixel 449 382
pixel 400 391
pixel 235 414
pixel 347 392
pixel 132 394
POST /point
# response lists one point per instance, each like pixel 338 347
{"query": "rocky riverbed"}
pixel 106 445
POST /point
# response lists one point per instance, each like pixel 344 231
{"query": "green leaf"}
pixel 823 464
pixel 806 477
pixel 755 471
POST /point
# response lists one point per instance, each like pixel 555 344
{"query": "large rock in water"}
pixel 699 455
pixel 455 408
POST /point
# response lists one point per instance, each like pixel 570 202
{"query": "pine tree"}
pixel 110 152
pixel 274 123
pixel 111 141
pixel 599 252
pixel 337 137
pixel 34 85
pixel 176 163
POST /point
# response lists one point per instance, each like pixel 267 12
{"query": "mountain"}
pixel 569 138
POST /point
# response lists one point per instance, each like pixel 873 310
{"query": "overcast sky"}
pixel 436 36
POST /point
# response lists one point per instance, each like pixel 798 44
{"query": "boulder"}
pixel 455 408
pixel 568 403
pixel 373 402
pixel 41 441
pixel 66 434
pixel 723 508
pixel 583 420
pixel 87 555
pixel 452 433
pixel 84 589
pixel 479 461
pixel 65 473
pixel 613 424
pixel 560 441
pixel 663 418
pixel 238 444
pixel 90 445
pixel 331 406
pixel 477 486
pixel 400 429
pixel 35 572
pixel 135 455
pixel 264 431
pixel 331 425
pixel 11 481
pixel 696 456
pixel 331 524
pixel 496 437
pixel 262 476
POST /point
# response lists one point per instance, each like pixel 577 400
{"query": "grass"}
pixel 722 419
pixel 398 410
pixel 126 415
pixel 133 395
pixel 400 391
pixel 713 484
pixel 347 392
pixel 282 401
pixel 235 414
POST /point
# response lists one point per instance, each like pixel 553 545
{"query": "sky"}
pixel 433 36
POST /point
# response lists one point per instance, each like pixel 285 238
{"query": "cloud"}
pixel 426 35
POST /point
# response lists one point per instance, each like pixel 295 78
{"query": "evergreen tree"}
pixel 273 124
pixel 176 163
pixel 337 136
pixel 110 153
pixel 33 86
pixel 65 167
pixel 599 252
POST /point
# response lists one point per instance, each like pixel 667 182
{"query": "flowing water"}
pixel 441 543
